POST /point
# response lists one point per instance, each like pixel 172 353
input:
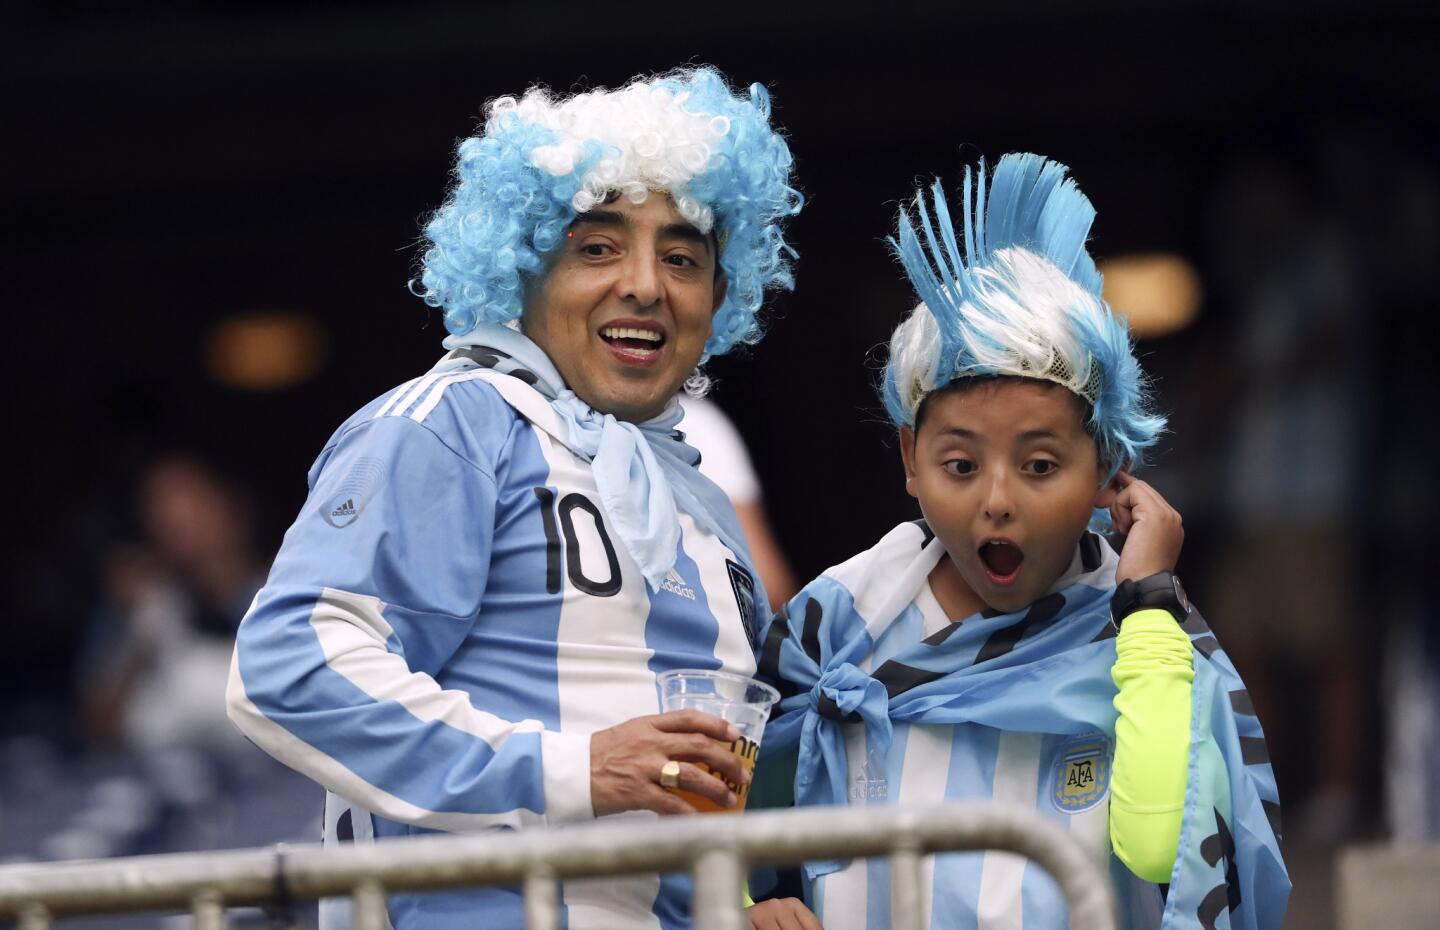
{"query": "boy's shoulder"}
pixel 883 561
pixel 863 585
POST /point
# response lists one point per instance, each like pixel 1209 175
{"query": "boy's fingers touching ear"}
pixel 1151 497
pixel 1138 492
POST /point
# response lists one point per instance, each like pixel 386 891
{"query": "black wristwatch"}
pixel 1161 589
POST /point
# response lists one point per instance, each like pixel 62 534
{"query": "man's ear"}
pixel 722 287
pixel 532 291
pixel 907 455
pixel 1107 492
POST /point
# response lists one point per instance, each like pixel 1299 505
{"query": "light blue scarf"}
pixel 644 472
pixel 1054 678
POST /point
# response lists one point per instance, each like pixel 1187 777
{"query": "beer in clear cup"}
pixel 743 702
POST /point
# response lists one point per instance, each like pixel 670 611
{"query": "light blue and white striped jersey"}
pixel 1012 708
pixel 450 618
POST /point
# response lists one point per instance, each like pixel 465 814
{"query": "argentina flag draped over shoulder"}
pixel 1043 670
pixel 1229 872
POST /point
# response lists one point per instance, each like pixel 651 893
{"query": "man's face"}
pixel 1006 476
pixel 625 309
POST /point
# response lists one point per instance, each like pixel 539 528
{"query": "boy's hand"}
pixel 1153 530
pixel 781 914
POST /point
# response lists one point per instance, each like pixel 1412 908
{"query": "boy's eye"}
pixel 1041 466
pixel 679 260
pixel 594 249
pixel 959 466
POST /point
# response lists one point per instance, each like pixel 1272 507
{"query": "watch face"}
pixel 1180 594
pixel 1120 602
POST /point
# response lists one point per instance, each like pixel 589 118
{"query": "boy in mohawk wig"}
pixel 463 628
pixel 974 655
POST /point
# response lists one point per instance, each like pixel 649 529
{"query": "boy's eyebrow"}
pixel 1030 435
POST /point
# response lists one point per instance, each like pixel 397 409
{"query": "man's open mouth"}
pixel 1002 560
pixel 633 338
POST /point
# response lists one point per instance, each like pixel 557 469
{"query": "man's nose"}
pixel 640 277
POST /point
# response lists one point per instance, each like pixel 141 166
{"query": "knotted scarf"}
pixel 645 473
pixel 1044 669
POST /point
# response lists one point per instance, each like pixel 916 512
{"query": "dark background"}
pixel 167 169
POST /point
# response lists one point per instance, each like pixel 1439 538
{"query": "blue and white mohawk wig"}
pixel 542 160
pixel 1023 299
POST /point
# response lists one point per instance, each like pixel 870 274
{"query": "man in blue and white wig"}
pixel 974 655
pixel 543 161
pixel 463 628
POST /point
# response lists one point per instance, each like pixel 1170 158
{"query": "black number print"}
pixel 568 505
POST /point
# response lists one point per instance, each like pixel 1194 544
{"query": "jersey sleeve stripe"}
pixel 355 638
pixel 395 395
pixel 567 776
pixel 427 763
pixel 418 387
pixel 277 740
pixel 432 400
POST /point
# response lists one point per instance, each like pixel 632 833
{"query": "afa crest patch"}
pixel 743 587
pixel 1081 774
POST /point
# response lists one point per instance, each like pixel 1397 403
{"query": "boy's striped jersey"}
pixel 937 763
pixel 448 620
pixel 1011 708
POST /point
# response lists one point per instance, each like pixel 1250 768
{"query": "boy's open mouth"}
pixel 1002 560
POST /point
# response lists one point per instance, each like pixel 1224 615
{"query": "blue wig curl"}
pixel 1022 299
pixel 541 161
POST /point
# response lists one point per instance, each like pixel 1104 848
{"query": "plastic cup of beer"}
pixel 742 701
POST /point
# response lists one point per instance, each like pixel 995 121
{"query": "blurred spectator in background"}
pixel 725 460
pixel 1285 586
pixel 159 767
pixel 153 668
pixel 1393 204
pixel 1412 702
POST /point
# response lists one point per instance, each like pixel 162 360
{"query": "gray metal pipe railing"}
pixel 716 849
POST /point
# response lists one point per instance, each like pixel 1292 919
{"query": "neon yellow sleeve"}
pixel 1154 671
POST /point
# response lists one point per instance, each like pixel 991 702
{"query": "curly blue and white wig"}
pixel 543 160
pixel 1023 299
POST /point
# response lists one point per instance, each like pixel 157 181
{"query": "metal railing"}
pixel 716 849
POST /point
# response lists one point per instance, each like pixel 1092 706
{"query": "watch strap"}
pixel 1162 590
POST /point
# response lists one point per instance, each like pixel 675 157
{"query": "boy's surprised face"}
pixel 1006 476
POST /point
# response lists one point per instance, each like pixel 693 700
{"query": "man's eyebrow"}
pixel 616 218
pixel 685 232
pixel 602 218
